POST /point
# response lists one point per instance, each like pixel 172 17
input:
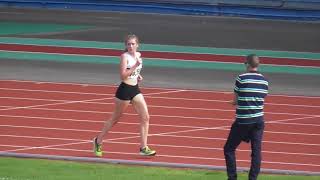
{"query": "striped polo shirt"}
pixel 252 88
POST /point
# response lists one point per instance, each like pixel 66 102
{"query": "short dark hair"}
pixel 252 60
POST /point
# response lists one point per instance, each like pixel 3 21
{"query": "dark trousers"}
pixel 249 133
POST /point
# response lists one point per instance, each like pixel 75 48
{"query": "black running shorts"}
pixel 127 92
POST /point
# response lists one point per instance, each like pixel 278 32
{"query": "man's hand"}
pixel 235 99
pixel 233 102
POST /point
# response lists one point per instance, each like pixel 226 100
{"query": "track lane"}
pixel 174 118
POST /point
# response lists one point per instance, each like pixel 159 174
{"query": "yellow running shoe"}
pixel 97 148
pixel 146 151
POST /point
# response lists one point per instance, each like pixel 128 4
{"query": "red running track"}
pixel 187 126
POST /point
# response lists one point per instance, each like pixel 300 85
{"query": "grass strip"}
pixel 38 169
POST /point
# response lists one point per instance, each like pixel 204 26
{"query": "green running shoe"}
pixel 146 151
pixel 97 148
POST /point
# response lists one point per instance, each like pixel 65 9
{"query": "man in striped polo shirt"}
pixel 250 90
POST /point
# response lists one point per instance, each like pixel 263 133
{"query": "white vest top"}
pixel 131 61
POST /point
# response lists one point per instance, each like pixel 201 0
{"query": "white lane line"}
pixel 193 129
pixel 70 102
pixel 281 122
pixel 163 125
pixel 165 98
pixel 50 104
pixel 160 155
pixel 293 119
pixel 170 136
pixel 52 91
pixel 35 99
pixel 152 106
pixel 130 137
pixel 40 107
pixel 158 88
